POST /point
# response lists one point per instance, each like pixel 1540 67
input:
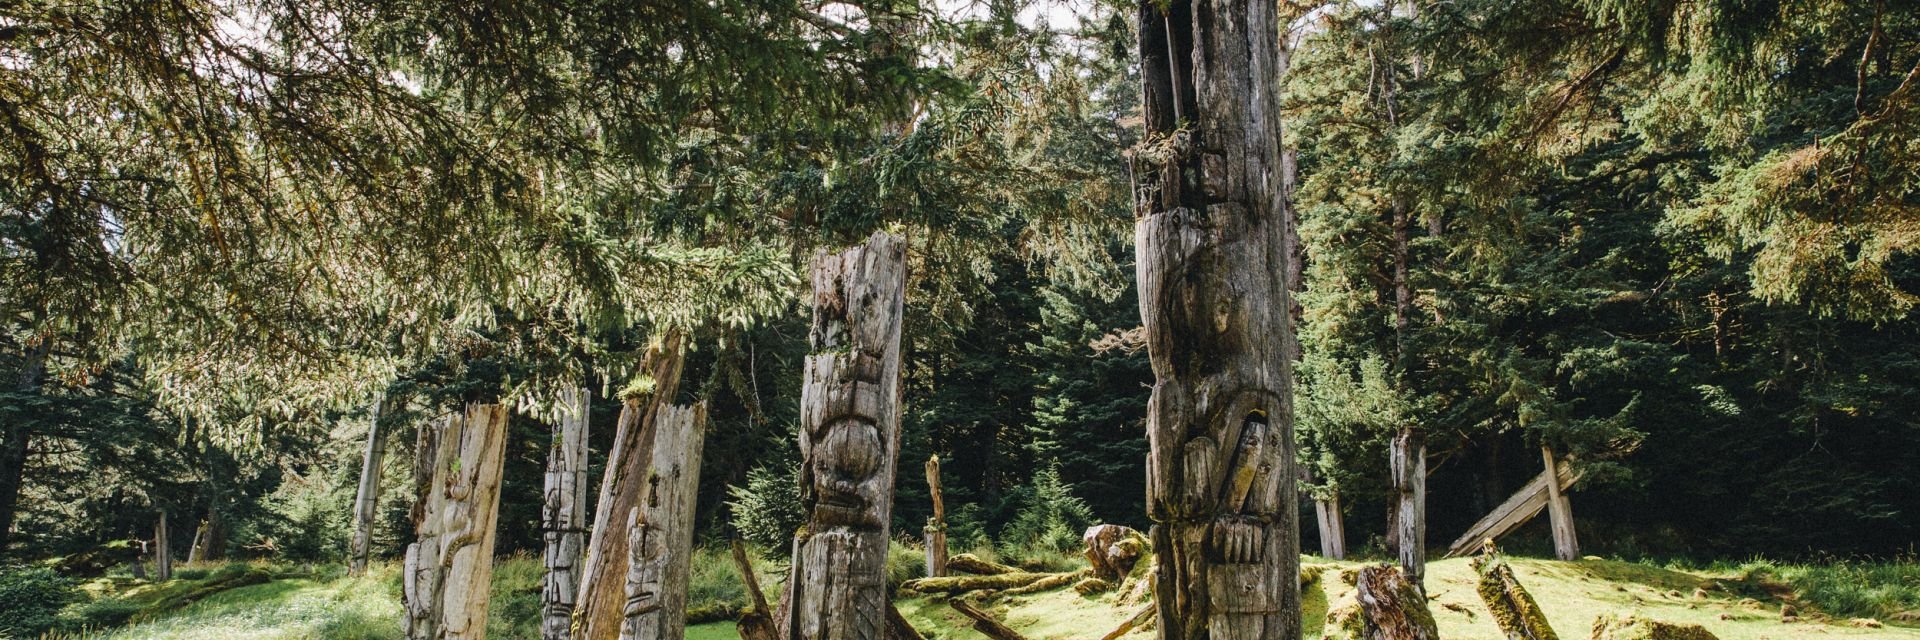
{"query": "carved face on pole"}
pixel 846 449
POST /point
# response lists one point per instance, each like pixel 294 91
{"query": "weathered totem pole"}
pixel 563 518
pixel 937 524
pixel 450 567
pixel 849 442
pixel 1212 257
pixel 660 528
pixel 366 501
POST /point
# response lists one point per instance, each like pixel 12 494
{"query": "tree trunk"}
pixel 564 516
pixel 449 569
pixel 1212 257
pixel 849 443
pixel 1409 467
pixel 937 526
pixel 366 499
pixel 14 437
pixel 603 584
pixel 162 550
pixel 660 529
pixel 1566 545
pixel 1333 528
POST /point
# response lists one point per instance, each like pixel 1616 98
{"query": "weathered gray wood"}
pixel 849 443
pixel 1516 511
pixel 600 612
pixel 937 525
pixel 450 566
pixel 366 499
pixel 660 528
pixel 1566 545
pixel 1391 607
pixel 162 550
pixel 1409 468
pixel 757 622
pixel 1210 235
pixel 1133 622
pixel 1333 528
pixel 984 622
pixel 1112 550
pixel 563 518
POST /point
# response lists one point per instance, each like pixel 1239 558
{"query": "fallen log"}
pixel 757 622
pixel 954 585
pixel 1513 608
pixel 1051 582
pixel 1134 621
pixel 969 563
pixel 985 623
pixel 1385 606
pixel 897 626
pixel 1638 628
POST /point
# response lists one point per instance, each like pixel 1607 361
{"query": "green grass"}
pixel 365 608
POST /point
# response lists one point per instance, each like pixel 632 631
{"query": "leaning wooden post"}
pixel 937 525
pixel 849 442
pixel 1210 237
pixel 162 550
pixel 563 518
pixel 366 499
pixel 660 528
pixel 1408 463
pixel 1333 529
pixel 603 583
pixel 1566 545
pixel 448 570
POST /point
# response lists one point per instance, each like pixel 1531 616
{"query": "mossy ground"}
pixel 1735 603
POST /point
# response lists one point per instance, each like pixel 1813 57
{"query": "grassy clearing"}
pixel 1736 602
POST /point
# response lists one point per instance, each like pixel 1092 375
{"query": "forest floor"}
pixel 1734 603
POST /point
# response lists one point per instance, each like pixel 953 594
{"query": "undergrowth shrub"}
pixel 769 509
pixel 31 599
pixel 1853 588
pixel 1045 535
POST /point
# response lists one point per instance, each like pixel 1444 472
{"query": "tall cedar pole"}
pixel 162 550
pixel 1408 464
pixel 660 528
pixel 603 585
pixel 1566 545
pixel 936 525
pixel 563 517
pixel 450 566
pixel 366 499
pixel 1210 233
pixel 849 443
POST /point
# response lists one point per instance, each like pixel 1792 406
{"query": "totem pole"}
pixel 1211 240
pixel 849 442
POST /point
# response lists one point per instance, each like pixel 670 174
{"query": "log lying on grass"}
pixel 955 585
pixel 1638 628
pixel 1133 622
pixel 985 623
pixel 757 622
pixel 1385 606
pixel 1513 608
pixel 969 563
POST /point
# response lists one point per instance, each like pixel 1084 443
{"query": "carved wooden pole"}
pixel 1333 530
pixel 603 585
pixel 937 525
pixel 1566 545
pixel 450 567
pixel 366 499
pixel 1409 467
pixel 849 442
pixel 1212 257
pixel 660 529
pixel 564 516
pixel 162 550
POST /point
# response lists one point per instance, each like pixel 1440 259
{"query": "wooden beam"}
pixel 1566 545
pixel 1516 511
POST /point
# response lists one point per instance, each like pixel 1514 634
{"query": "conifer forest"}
pixel 959 319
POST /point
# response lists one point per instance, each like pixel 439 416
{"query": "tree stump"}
pixel 1112 550
pixel 1385 606
pixel 1638 628
pixel 450 567
pixel 936 525
pixel 849 444
pixel 1408 461
pixel 1210 234
pixel 162 550
pixel 660 529
pixel 563 516
pixel 757 622
pixel 1513 608
pixel 602 598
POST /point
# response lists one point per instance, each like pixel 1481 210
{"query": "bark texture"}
pixel 1211 236
pixel 1112 550
pixel 450 567
pixel 366 499
pixel 1386 606
pixel 563 517
pixel 602 605
pixel 1333 528
pixel 162 550
pixel 1566 545
pixel 660 529
pixel 849 443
